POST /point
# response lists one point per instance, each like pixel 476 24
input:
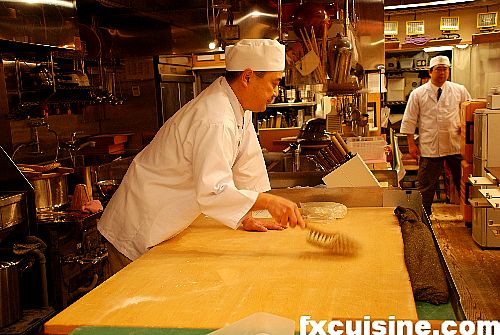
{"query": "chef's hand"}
pixel 284 211
pixel 414 151
pixel 251 224
pixel 412 146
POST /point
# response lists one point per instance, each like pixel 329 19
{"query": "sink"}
pixel 292 179
pixel 91 169
pixel 281 174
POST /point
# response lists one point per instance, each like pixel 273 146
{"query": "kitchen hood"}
pixel 44 23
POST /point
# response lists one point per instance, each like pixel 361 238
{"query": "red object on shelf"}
pixel 310 14
pixel 107 139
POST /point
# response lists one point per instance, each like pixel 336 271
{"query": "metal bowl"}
pixel 108 187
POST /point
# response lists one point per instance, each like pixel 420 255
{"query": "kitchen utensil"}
pixel 108 187
pixel 339 59
pixel 323 235
pixel 38 168
pixel 343 144
pixel 51 189
pixel 314 129
pixel 338 243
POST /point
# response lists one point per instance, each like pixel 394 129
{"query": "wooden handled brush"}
pixel 319 235
pixel 338 243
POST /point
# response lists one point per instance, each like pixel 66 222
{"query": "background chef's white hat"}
pixel 439 60
pixel 255 54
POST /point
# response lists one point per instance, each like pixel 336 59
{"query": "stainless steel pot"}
pixel 51 191
pixel 10 308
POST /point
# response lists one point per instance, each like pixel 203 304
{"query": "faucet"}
pixel 296 149
pixel 34 124
pixel 72 148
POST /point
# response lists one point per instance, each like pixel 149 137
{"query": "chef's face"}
pixel 263 88
pixel 439 74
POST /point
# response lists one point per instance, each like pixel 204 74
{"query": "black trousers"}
pixel 429 170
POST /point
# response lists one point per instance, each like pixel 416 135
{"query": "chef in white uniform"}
pixel 205 159
pixel 434 108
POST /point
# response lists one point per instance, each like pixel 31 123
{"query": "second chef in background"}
pixel 434 108
pixel 205 159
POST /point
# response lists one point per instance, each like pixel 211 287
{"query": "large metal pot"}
pixel 51 190
pixel 10 308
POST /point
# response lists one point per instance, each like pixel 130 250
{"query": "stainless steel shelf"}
pixel 292 104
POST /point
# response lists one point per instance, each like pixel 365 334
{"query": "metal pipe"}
pixel 280 15
pixel 85 289
pixel 39 255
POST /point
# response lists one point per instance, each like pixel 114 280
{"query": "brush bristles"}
pixel 336 242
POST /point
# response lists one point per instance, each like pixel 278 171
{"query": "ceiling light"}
pixel 426 4
pixel 62 3
pixel 438 49
pixel 461 46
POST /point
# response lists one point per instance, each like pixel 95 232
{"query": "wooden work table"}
pixel 209 276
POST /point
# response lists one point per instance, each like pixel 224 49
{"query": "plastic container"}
pixel 406 63
pixel 323 210
pixel 259 324
pixel 371 149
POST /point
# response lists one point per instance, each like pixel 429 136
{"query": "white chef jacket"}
pixel 438 121
pixel 204 159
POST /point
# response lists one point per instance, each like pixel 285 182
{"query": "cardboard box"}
pixel 467 150
pixel 396 89
pixel 405 63
pixel 465 191
pixel 412 81
pixel 467 132
pixel 466 170
pixel 396 95
pixel 391 63
pixel 467 109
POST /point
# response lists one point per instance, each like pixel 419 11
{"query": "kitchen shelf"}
pixel 437 42
pixel 395 71
pixel 395 103
pixel 291 104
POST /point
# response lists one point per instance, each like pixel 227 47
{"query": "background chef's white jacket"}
pixel 438 121
pixel 204 159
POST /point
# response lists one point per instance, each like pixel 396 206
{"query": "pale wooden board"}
pixel 209 276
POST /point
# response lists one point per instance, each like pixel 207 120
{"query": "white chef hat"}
pixel 255 54
pixel 439 60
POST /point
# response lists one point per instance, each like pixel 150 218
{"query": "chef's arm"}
pixel 284 211
pixel 412 146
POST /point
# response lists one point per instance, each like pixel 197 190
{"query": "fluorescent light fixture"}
pixel 61 3
pixel 461 46
pixel 438 49
pixel 253 15
pixel 426 4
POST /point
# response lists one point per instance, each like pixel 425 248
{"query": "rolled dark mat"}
pixel 427 277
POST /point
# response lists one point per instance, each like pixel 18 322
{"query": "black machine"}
pixel 22 260
pixel 49 256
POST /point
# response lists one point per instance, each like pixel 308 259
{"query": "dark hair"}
pixel 233 75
